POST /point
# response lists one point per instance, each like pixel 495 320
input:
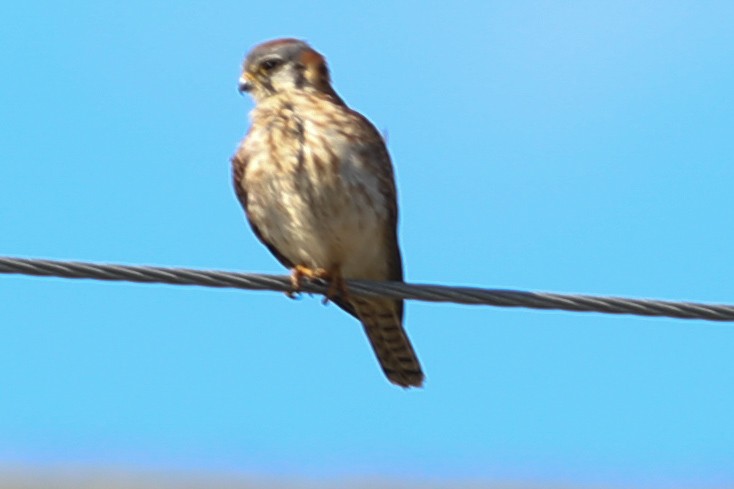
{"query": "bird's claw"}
pixel 337 288
pixel 300 272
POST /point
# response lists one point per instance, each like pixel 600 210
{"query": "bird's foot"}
pixel 300 272
pixel 337 287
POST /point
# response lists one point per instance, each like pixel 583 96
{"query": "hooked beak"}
pixel 244 85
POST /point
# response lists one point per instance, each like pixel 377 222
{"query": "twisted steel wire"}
pixel 398 290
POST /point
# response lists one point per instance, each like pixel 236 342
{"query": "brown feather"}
pixel 383 326
pixel 239 163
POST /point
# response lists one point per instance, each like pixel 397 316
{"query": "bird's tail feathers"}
pixel 384 328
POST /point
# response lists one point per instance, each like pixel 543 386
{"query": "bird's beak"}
pixel 245 85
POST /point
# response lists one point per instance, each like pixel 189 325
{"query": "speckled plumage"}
pixel 317 185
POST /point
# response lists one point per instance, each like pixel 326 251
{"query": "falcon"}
pixel 317 185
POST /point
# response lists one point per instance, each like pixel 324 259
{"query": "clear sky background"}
pixel 554 146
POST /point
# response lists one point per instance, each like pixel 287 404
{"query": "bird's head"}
pixel 283 65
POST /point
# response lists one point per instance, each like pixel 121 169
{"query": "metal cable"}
pixel 397 290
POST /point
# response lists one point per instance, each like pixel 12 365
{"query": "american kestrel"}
pixel 316 182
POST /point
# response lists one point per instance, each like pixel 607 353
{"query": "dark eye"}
pixel 270 64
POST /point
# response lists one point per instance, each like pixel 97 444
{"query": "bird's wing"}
pixel 239 164
pixel 382 319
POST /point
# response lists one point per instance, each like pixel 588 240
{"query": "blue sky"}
pixel 557 146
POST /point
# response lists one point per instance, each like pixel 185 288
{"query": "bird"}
pixel 318 189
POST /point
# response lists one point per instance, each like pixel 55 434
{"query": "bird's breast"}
pixel 313 195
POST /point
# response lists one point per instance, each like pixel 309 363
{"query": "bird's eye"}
pixel 270 64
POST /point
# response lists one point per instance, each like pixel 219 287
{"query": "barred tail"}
pixel 382 323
